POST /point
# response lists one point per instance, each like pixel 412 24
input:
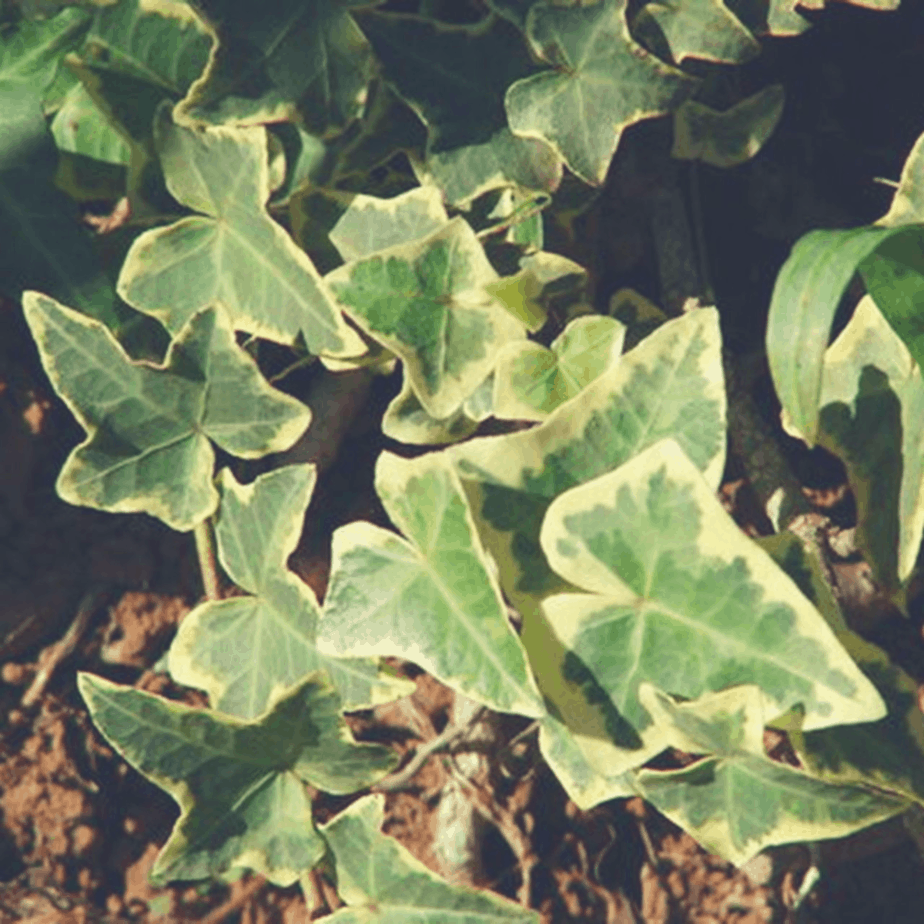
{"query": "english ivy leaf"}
pixel 907 206
pixel 243 650
pixel 232 253
pixel 148 427
pixel 776 17
pixel 426 301
pixel 382 882
pixel 872 417
pixel 371 224
pixel 531 381
pixel 407 421
pixel 600 82
pixel 671 384
pixel 239 785
pixel 430 598
pixel 729 138
pixel 736 801
pixel 704 29
pixel 808 289
pixel 455 78
pixel 288 60
pixel 888 754
pixel 31 51
pixel 664 569
pixel 80 128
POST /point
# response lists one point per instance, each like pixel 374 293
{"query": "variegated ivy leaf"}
pixel 427 302
pixel 371 223
pixel 704 29
pixel 407 421
pixel 243 650
pixel 731 137
pixel 231 253
pixel 382 881
pixel 888 754
pixel 599 83
pixel 531 381
pixel 148 427
pixel 675 595
pixel 430 597
pixel 240 785
pixel 736 801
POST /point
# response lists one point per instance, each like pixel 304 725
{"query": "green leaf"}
pixel 872 417
pixel 704 29
pixel 674 594
pixel 907 206
pixel 455 78
pixel 888 754
pixel 808 289
pixel 776 17
pixel 243 650
pixel 737 801
pixel 426 301
pixel 407 421
pixel 669 385
pixel 729 138
pixel 531 381
pixel 430 598
pixel 371 224
pixel 80 128
pixel 382 881
pixel 288 60
pixel 239 785
pixel 232 253
pixel 31 52
pixel 148 427
pixel 601 82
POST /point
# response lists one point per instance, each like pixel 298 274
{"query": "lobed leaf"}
pixel 148 426
pixel 239 785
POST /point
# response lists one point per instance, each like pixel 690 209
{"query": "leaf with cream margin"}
pixel 381 880
pixel 531 381
pixel 283 61
pixel 430 597
pixel 674 594
pixel 149 426
pixel 243 650
pixel 730 137
pixel 736 801
pixel 872 417
pixel 370 223
pixel 426 301
pixel 703 29
pixel 231 253
pixel 240 785
pixel 407 421
pixel 600 82
pixel 888 754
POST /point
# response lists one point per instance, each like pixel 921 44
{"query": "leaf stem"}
pixel 208 568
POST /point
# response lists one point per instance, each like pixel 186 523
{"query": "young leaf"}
pixel 704 29
pixel 872 417
pixel 372 224
pixel 239 785
pixel 148 427
pixel 600 82
pixel 455 78
pixel 381 881
pixel 243 650
pixel 736 801
pixel 675 594
pixel 808 289
pixel 426 301
pixel 232 253
pixel 531 381
pixel 283 61
pixel 429 598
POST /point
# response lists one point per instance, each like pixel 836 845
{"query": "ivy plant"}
pixel 370 188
